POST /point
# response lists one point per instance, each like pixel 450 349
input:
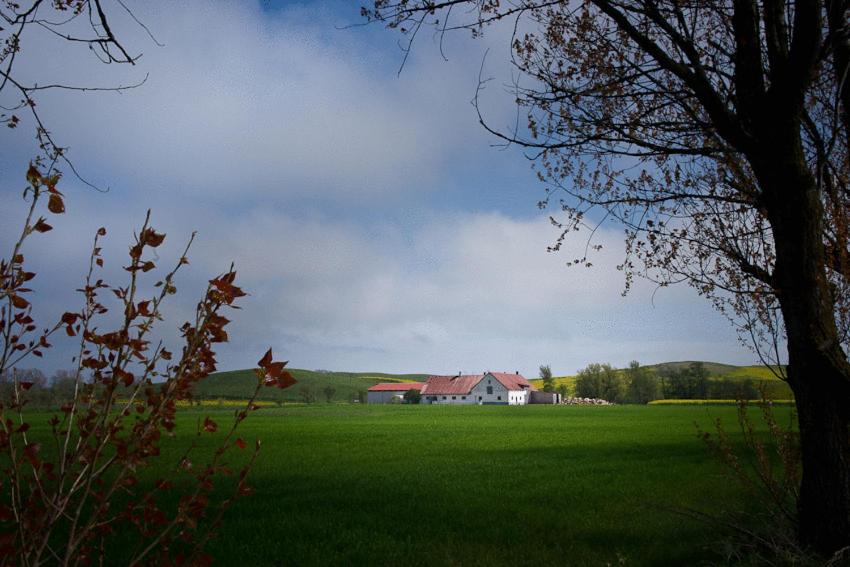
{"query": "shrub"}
pixel 769 468
pixel 62 505
pixel 412 396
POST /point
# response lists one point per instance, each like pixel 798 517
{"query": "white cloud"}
pixel 242 104
pixel 469 291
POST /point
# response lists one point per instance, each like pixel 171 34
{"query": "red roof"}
pixel 451 384
pixel 396 386
pixel 447 385
pixel 513 381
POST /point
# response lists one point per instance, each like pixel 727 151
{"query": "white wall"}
pixel 500 394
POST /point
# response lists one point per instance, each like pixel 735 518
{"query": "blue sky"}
pixel 368 214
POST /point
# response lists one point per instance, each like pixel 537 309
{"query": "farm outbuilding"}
pixel 544 398
pixel 390 392
pixel 490 388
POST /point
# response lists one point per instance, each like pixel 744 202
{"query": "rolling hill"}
pixel 238 384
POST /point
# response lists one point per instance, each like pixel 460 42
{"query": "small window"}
pixel 499 398
pixel 479 398
pixel 489 389
pixel 454 397
pixel 444 397
pixel 463 398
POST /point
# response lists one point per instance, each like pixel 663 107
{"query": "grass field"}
pixel 472 485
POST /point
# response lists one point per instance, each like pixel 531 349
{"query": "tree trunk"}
pixel 819 372
pixel 824 506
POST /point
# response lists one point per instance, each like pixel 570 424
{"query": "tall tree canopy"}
pixel 717 133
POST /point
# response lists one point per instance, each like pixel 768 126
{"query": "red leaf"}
pixel 42 226
pixel 31 452
pixel 55 204
pixel 70 318
pixel 19 302
pixel 266 360
pixel 33 175
pixel 241 443
pixel 143 308
pixel 210 426
pixel 26 385
pixel 151 238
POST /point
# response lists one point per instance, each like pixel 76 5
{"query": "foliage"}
pixel 600 381
pixel 64 497
pixel 770 471
pixel 691 382
pixel 642 384
pixel 546 376
pixel 329 392
pixel 306 394
pixel 412 396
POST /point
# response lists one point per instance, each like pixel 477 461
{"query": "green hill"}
pixel 238 384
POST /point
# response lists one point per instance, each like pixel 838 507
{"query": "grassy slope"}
pixel 238 384
pixel 716 370
pixel 470 485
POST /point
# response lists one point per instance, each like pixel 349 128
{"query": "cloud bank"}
pixel 371 221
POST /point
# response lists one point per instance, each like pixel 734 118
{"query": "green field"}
pixel 472 485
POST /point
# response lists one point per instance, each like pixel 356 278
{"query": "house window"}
pixel 463 398
pixel 444 397
pixel 489 389
pixel 479 398
pixel 454 397
pixel 499 398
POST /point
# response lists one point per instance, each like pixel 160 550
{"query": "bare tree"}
pixel 79 22
pixel 717 133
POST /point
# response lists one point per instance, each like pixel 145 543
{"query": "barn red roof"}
pixel 447 385
pixel 396 386
pixel 513 381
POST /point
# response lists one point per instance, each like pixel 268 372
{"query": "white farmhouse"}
pixel 490 388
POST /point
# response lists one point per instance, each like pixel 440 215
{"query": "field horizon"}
pixel 347 386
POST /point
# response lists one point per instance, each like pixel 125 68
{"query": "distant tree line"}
pixel 42 391
pixel 639 385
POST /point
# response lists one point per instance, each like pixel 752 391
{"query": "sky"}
pixel 374 223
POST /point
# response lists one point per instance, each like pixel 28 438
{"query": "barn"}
pixel 390 392
pixel 490 388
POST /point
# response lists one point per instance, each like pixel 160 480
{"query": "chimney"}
pixel 517 372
